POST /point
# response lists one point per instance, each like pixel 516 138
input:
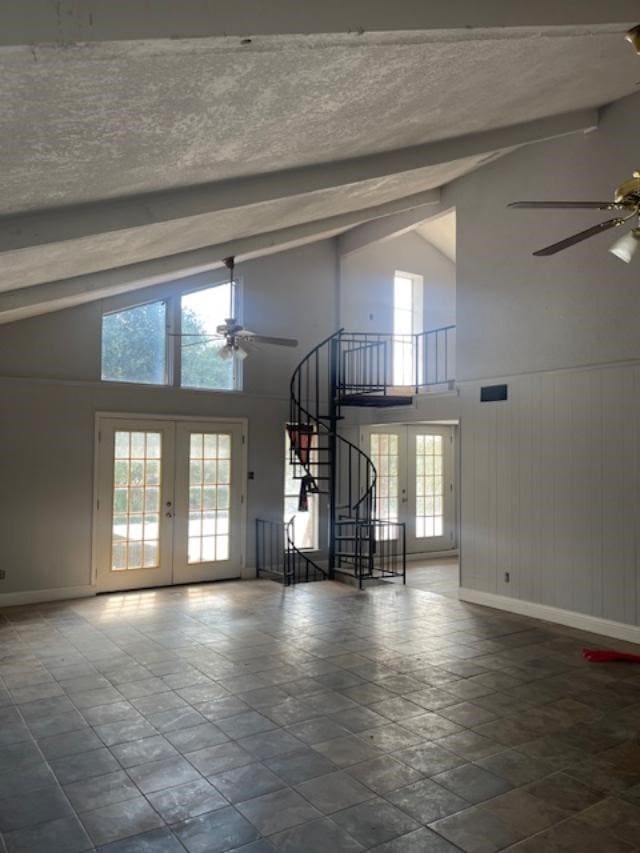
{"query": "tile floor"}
pixel 248 717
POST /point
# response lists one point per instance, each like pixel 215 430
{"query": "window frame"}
pixel 172 340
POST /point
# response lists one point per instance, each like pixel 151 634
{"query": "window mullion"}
pixel 174 349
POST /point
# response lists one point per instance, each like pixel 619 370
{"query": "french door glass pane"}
pixel 429 486
pixel 135 529
pixel 209 497
pixel 384 455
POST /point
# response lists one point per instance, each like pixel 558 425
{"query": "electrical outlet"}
pixel 3 574
pixel 507 577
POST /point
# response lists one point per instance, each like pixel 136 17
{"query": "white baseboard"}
pixel 582 621
pixel 39 596
pixel 432 555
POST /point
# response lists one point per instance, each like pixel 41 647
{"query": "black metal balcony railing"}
pixel 374 362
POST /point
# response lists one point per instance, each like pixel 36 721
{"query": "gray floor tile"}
pixel 384 774
pixel 300 766
pixel 245 783
pixel 269 744
pixel 390 738
pixel 155 841
pixel 119 820
pixel 243 725
pixel 101 791
pixel 57 724
pixel 426 801
pixel 320 655
pixel 279 810
pixel 345 751
pixel 85 765
pixel 93 698
pixel 359 719
pixel 316 836
pixel 219 709
pixel 186 801
pixel 432 726
pixel 14 756
pixel 20 811
pixel 318 730
pixel 334 791
pixel 215 759
pixel 175 719
pixel 420 841
pixel 374 822
pixel 515 767
pixel 137 752
pixel 565 793
pixel 64 835
pixel 216 832
pixel 262 846
pixel 157 775
pixel 26 780
pixel 123 731
pixel 477 831
pixel 69 743
pixel 116 712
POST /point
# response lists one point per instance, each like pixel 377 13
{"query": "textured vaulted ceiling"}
pixel 83 123
pixel 97 121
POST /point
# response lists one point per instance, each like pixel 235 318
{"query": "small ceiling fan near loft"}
pixel 626 198
pixel 238 341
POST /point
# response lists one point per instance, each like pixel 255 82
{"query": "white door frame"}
pixel 365 432
pixel 132 416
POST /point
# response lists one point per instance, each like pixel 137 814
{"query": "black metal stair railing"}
pixel 278 557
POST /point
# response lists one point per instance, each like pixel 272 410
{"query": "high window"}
pixel 407 321
pixel 171 342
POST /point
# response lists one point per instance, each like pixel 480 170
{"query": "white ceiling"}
pixel 91 122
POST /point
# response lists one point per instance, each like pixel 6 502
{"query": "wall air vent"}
pixel 493 393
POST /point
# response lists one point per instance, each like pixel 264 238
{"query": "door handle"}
pixel 169 514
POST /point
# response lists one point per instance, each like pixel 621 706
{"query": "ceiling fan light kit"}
pixel 626 247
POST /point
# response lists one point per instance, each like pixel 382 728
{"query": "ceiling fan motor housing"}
pixel 628 193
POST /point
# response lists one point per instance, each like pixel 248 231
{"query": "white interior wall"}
pixel 550 477
pixel 50 392
pixel 366 283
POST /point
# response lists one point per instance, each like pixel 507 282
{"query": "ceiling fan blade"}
pixel 265 339
pixel 579 237
pixel 576 205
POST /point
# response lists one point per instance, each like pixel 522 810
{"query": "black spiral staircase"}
pixel 348 369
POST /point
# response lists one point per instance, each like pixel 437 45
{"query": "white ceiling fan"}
pixel 235 336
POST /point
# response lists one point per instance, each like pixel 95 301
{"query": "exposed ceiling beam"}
pixel 44 21
pixel 57 225
pixel 56 295
pixel 384 228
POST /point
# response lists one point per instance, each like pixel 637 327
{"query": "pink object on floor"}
pixel 604 656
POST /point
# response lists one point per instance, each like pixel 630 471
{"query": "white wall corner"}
pixel 581 621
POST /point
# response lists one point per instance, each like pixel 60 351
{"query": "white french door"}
pixel 169 501
pixel 415 482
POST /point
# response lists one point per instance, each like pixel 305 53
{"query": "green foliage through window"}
pixel 137 348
